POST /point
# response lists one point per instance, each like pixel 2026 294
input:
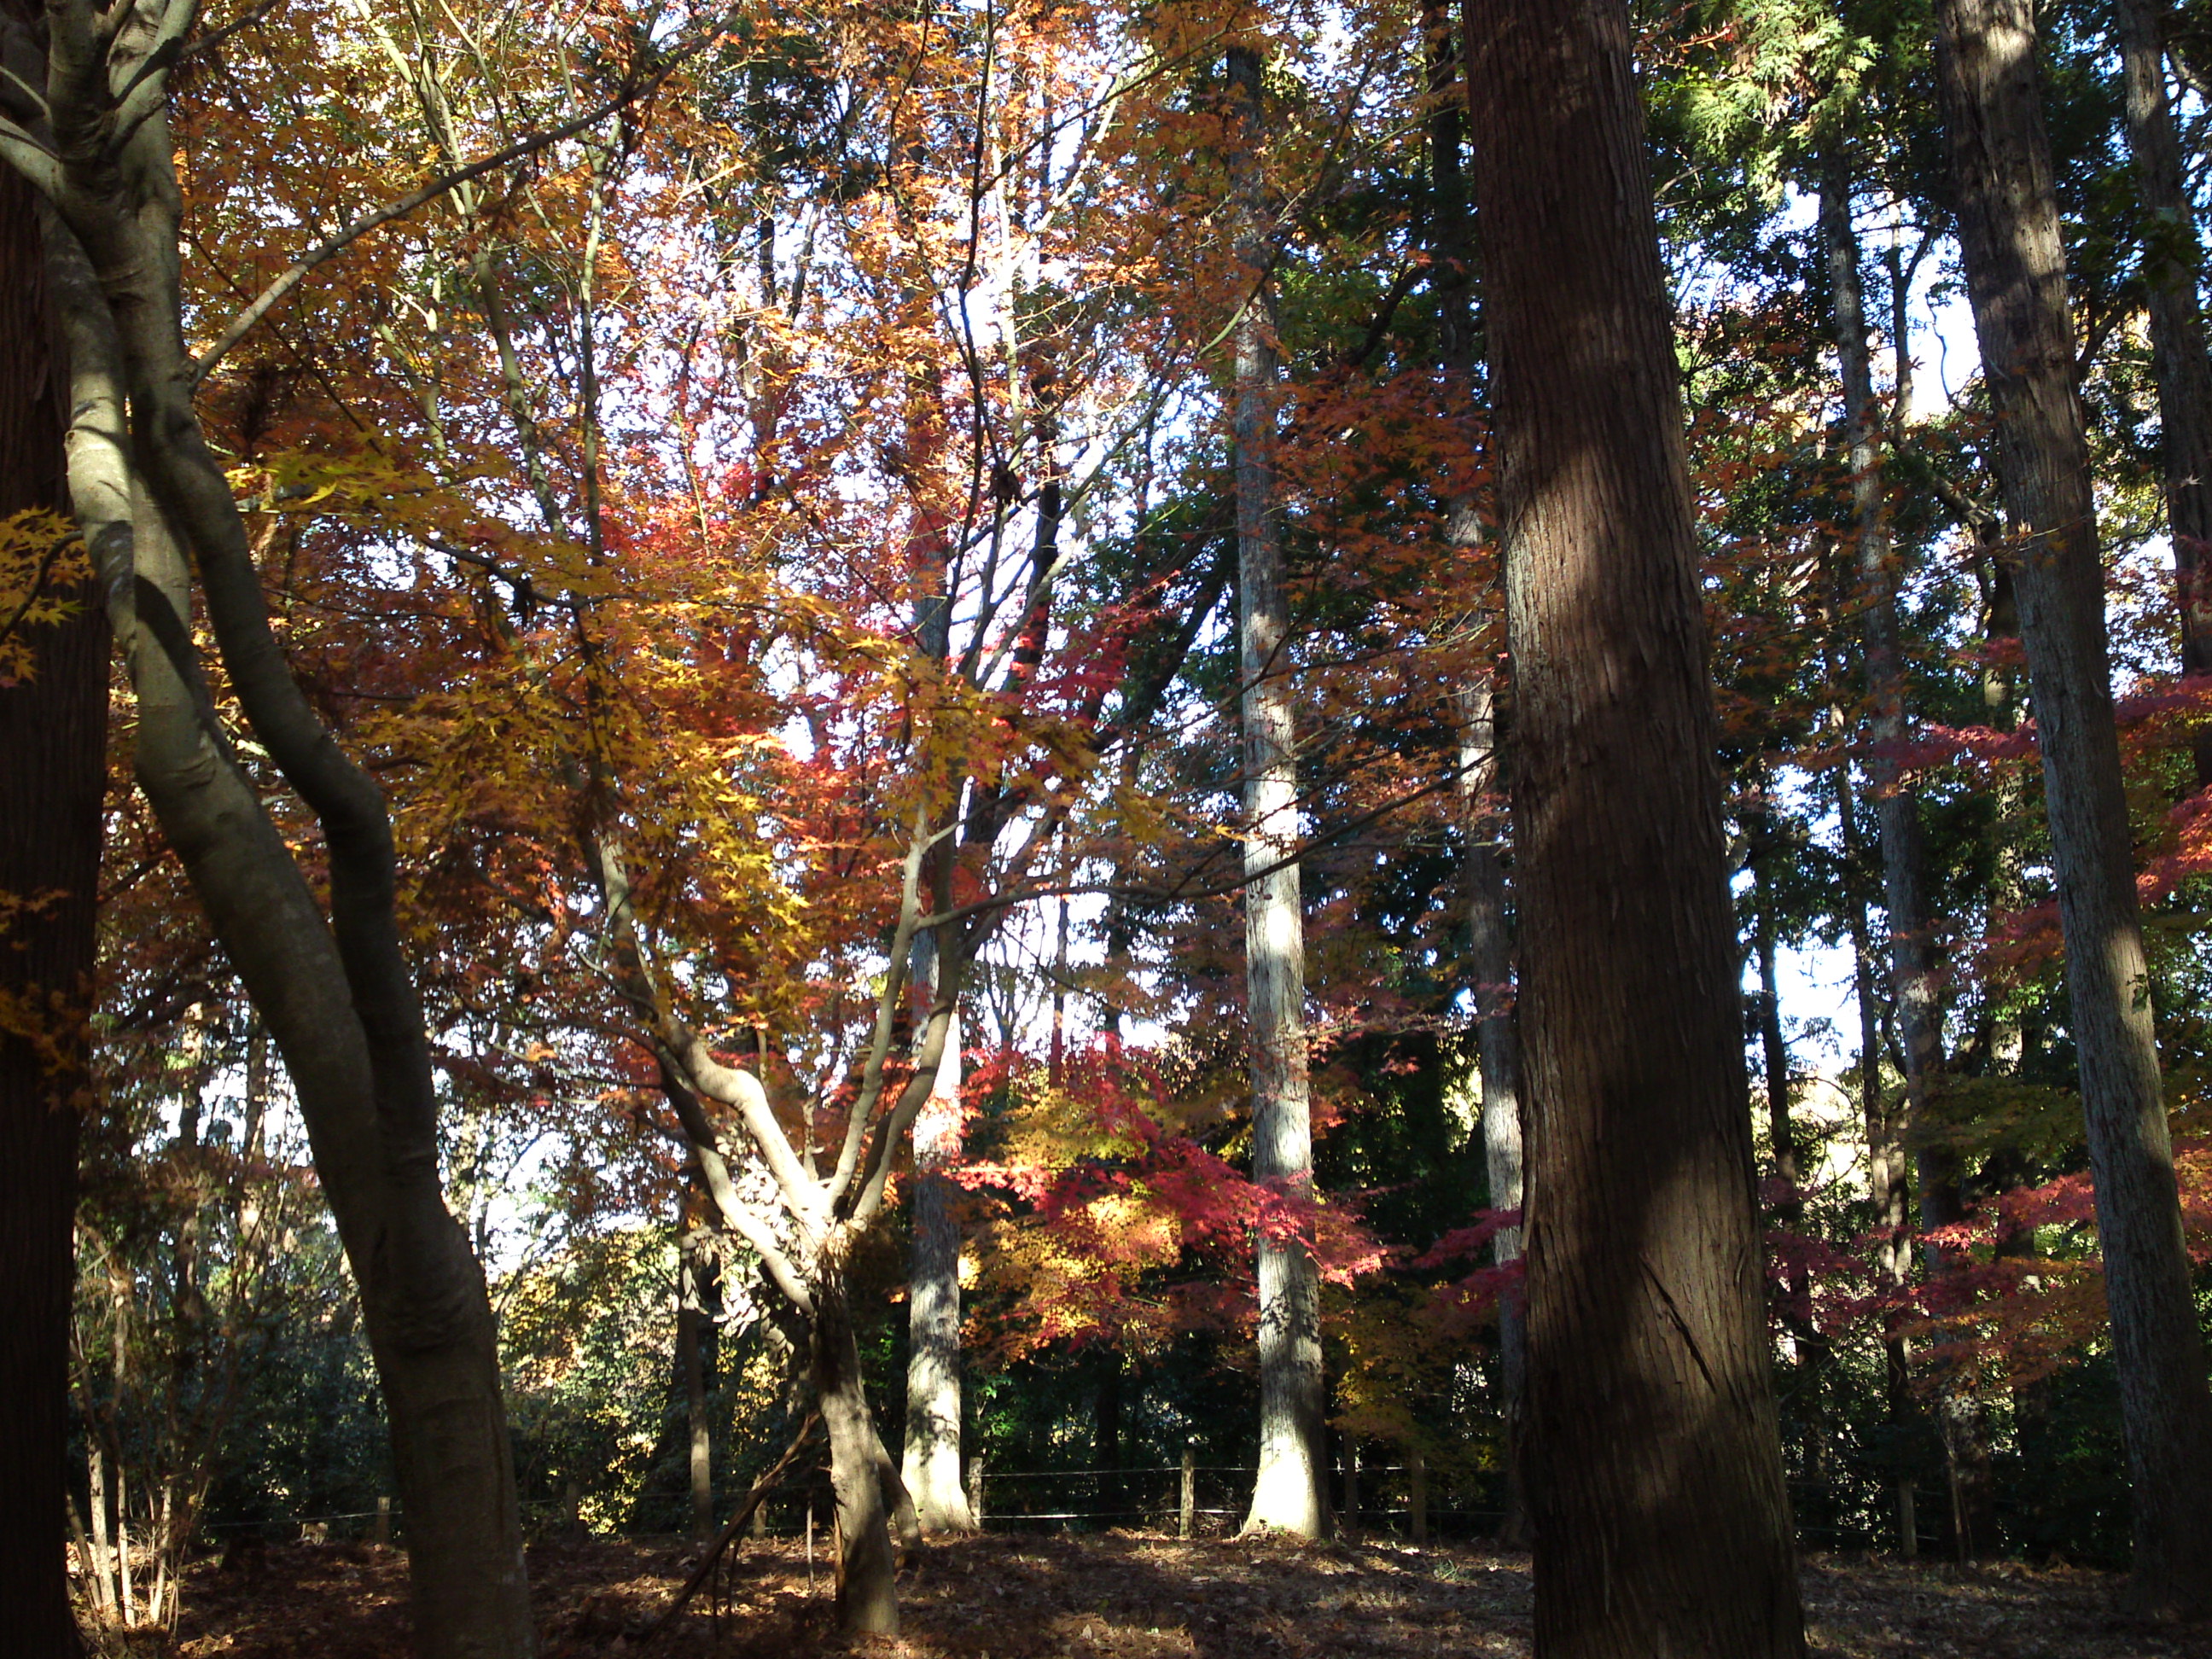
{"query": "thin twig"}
pixel 400 207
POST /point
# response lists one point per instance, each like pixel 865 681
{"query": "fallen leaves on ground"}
pixel 1122 1597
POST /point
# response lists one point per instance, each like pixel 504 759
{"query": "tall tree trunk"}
pixel 53 771
pixel 1897 814
pixel 1886 1184
pixel 1913 967
pixel 334 989
pixel 1290 1493
pixel 1663 1523
pixel 1497 1046
pixel 930 1463
pixel 2173 265
pixel 2015 269
pixel 1489 942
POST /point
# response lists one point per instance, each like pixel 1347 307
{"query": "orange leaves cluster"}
pixel 43 572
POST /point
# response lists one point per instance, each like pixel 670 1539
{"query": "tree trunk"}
pixel 1489 941
pixel 2015 271
pixel 335 990
pixel 1782 1135
pixel 867 1597
pixel 1498 1046
pixel 1663 1524
pixel 1913 967
pixel 1887 1185
pixel 695 1331
pixel 1290 1493
pixel 931 1465
pixel 2173 265
pixel 1897 814
pixel 53 771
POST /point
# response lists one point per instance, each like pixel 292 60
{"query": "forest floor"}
pixel 1119 1596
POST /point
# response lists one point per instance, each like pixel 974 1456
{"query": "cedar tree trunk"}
pixel 53 770
pixel 1656 1483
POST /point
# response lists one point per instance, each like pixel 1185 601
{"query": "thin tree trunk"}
pixel 694 1330
pixel 1886 1184
pixel 1782 1136
pixel 1663 1523
pixel 2173 266
pixel 2015 270
pixel 1498 1046
pixel 1290 1493
pixel 103 1547
pixel 1913 968
pixel 53 771
pixel 1897 814
pixel 1489 942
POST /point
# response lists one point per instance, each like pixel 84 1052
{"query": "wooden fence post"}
pixel 572 1506
pixel 1351 1485
pixel 1189 1515
pixel 382 1536
pixel 975 1489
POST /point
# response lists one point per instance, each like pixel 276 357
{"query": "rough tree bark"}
pixel 1290 1493
pixel 53 771
pixel 1662 1525
pixel 2173 265
pixel 334 991
pixel 2014 262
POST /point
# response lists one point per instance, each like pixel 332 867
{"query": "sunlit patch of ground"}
pixel 1124 1597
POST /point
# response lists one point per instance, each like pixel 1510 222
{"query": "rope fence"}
pixel 1189 1500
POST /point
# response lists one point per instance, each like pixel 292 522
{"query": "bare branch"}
pixel 400 207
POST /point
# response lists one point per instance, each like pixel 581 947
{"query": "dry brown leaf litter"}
pixel 1125 1596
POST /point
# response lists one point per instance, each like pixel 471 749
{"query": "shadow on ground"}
pixel 1122 1597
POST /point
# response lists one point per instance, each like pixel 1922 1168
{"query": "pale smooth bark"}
pixel 1290 1492
pixel 1661 1521
pixel 2015 267
pixel 931 1464
pixel 1497 1047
